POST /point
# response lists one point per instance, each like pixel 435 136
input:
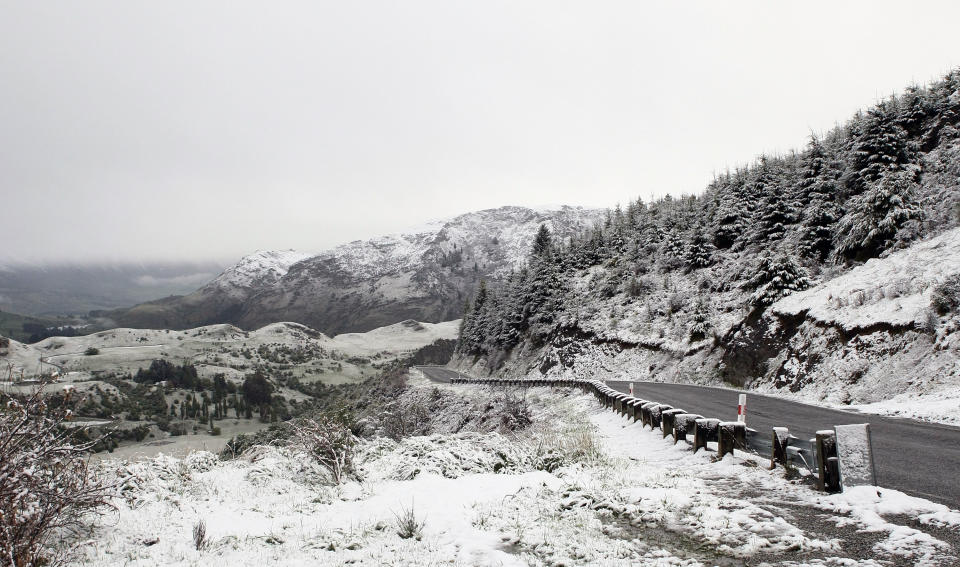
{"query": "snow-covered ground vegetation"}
pixel 177 391
pixel 549 479
pixel 294 349
pixel 827 274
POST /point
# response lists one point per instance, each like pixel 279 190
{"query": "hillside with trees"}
pixel 680 288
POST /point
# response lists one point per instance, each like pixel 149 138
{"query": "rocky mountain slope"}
pixel 425 275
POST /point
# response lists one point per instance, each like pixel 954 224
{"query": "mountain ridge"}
pixel 426 275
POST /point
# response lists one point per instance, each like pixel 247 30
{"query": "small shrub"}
pixel 790 471
pixel 516 412
pixel 329 441
pixel 408 525
pixel 200 541
pixel 946 295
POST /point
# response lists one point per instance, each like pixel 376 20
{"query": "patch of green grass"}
pixel 11 325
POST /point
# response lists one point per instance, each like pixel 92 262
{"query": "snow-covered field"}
pixel 231 351
pixel 581 486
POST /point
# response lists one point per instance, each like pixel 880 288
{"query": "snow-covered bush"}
pixel 200 541
pixel 516 412
pixel 700 324
pixel 329 441
pixel 408 524
pixel 946 295
pixel 46 486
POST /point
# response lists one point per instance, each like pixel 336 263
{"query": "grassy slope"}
pixel 11 324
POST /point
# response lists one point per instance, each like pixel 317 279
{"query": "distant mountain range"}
pixel 426 274
pixel 76 289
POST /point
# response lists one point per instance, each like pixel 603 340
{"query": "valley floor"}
pixel 581 486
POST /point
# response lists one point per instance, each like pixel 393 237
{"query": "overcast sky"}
pixel 188 130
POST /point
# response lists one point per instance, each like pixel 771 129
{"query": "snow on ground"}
pixel 937 407
pixel 405 336
pixel 218 349
pixel 894 290
pixel 581 486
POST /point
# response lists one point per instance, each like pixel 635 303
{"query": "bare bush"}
pixel 408 525
pixel 46 486
pixel 330 442
pixel 402 418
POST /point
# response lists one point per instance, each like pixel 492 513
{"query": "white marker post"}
pixel 631 388
pixel 742 409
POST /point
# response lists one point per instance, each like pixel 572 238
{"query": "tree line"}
pixel 882 180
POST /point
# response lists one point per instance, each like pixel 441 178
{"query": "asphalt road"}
pixel 918 458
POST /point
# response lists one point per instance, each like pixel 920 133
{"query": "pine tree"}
pixel 701 324
pixel 886 215
pixel 699 252
pixel 879 146
pixel 818 192
pixel 542 242
pixel 730 211
pixel 775 215
pixel 775 277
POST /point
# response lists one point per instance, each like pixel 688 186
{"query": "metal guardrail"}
pixel 778 445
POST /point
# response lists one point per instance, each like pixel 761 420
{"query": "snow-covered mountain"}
pixel 424 274
pixel 258 270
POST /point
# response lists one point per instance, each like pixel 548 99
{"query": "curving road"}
pixel 919 458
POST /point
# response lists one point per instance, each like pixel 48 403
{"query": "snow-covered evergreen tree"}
pixel 699 252
pixel 818 191
pixel 887 214
pixel 879 145
pixel 775 277
pixel 543 241
pixel 700 327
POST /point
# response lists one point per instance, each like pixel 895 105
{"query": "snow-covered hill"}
pixel 227 350
pixel 425 274
pixel 894 291
pixel 871 337
pixel 865 338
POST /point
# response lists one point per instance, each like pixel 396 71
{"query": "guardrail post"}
pixel 781 440
pixel 655 413
pixel 731 435
pixel 828 465
pixel 682 424
pixel 645 413
pixel 668 420
pixel 704 430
